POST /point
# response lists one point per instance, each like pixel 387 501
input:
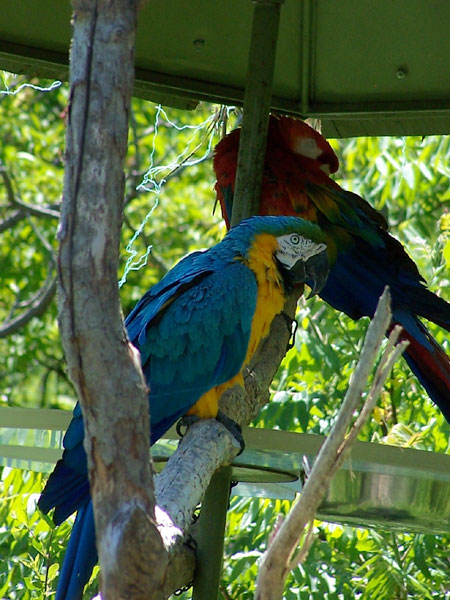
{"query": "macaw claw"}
pixel 184 423
pixel 234 428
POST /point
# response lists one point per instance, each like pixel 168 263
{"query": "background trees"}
pixel 407 178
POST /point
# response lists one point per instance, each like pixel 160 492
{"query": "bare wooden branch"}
pixel 38 211
pixel 390 355
pixel 181 485
pixel 9 222
pixel 279 558
pixel 8 184
pixel 32 209
pixel 102 364
pixel 38 306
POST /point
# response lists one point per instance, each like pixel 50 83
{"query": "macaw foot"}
pixel 185 422
pixel 233 427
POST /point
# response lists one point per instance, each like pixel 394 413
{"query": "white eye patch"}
pixel 293 247
pixel 307 147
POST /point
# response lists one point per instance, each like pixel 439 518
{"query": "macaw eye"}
pixel 294 239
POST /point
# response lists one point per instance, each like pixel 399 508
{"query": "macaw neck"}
pixel 261 259
pixel 271 289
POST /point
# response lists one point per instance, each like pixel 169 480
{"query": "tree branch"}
pixel 39 304
pixel 103 365
pixel 38 211
pixel 8 184
pixel 32 209
pixel 278 559
pixel 10 221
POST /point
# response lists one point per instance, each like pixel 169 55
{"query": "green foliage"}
pixel 26 539
pixel 32 134
pixel 406 178
pixel 31 548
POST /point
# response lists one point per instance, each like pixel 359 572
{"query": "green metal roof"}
pixel 365 67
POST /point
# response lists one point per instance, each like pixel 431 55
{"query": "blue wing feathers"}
pixel 80 557
pixel 363 272
pixel 66 490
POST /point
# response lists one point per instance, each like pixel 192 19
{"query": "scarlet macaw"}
pixel 364 257
pixel 196 329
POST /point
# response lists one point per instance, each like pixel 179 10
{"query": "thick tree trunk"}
pixel 102 363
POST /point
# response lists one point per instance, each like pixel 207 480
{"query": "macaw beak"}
pixel 317 269
pixel 314 272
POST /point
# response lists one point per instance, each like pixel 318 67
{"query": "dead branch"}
pixel 279 557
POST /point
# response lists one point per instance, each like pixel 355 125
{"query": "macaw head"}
pixel 297 247
pixel 305 142
pixel 301 259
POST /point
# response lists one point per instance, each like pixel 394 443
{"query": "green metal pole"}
pixel 257 99
pixel 210 536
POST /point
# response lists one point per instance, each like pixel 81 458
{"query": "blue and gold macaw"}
pixel 195 330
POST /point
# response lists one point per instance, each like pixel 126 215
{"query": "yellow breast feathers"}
pixel 271 296
pixel 269 303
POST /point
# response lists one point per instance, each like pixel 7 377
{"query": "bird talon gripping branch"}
pixel 234 428
pixel 184 423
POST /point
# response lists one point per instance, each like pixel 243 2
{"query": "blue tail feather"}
pixel 80 557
